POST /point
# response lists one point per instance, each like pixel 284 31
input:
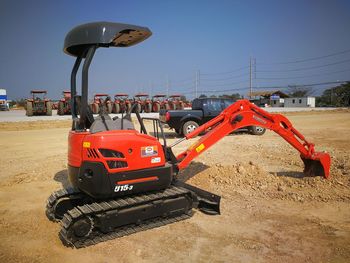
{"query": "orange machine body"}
pixel 100 162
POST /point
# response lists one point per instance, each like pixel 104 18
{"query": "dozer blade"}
pixel 204 201
pixel 318 165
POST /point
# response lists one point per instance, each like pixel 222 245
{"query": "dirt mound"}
pixel 252 180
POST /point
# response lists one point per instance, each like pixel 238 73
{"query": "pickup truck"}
pixel 203 110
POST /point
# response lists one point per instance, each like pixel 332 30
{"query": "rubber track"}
pixel 73 215
pixel 55 197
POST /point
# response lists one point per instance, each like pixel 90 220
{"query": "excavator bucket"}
pixel 318 165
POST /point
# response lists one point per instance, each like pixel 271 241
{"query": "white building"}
pixel 300 102
pixel 3 100
pixel 270 98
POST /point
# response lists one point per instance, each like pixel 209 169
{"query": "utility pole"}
pixel 167 85
pixel 150 88
pixel 197 81
pixel 250 78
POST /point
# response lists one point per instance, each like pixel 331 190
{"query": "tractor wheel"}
pixel 29 109
pixel 128 107
pixel 148 108
pixel 116 108
pixel 60 109
pixel 95 108
pixel 256 130
pixel 109 108
pixel 49 108
pixel 122 108
pixel 156 107
pixel 166 106
pixel 138 108
pixel 189 127
pixel 172 106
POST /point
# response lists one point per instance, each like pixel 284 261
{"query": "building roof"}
pixel 269 93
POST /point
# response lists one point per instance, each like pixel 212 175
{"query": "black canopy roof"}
pixel 103 34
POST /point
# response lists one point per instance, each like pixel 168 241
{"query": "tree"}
pixel 202 96
pixel 299 91
pixel 338 96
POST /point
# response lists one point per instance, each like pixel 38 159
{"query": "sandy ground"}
pixel 270 212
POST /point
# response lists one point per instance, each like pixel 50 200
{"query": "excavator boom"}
pixel 244 113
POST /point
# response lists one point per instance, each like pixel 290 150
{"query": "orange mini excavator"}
pixel 124 180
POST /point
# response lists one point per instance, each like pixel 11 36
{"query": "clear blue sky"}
pixel 210 36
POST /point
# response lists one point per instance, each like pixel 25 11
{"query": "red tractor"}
pixel 38 104
pixel 144 104
pixel 121 103
pixel 64 103
pixel 101 99
pixel 159 102
pixel 175 102
pixel 55 105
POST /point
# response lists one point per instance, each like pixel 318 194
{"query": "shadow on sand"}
pixel 292 174
pixel 193 169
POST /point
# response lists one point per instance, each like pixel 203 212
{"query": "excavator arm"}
pixel 244 113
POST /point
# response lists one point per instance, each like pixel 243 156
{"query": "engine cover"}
pixel 117 163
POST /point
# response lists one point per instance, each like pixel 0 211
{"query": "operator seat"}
pixel 106 123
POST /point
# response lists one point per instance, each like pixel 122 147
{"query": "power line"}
pixel 224 85
pixel 225 90
pixel 304 85
pixel 227 72
pixel 233 77
pixel 308 59
pixel 183 80
pixel 270 87
pixel 306 68
pixel 306 76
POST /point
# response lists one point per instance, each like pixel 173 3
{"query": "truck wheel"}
pixel 189 126
pixel 60 109
pixel 257 130
pixel 148 108
pixel 116 108
pixel 29 109
pixel 48 108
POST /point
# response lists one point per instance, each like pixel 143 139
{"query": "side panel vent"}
pixel 116 164
pixel 92 153
pixel 111 153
